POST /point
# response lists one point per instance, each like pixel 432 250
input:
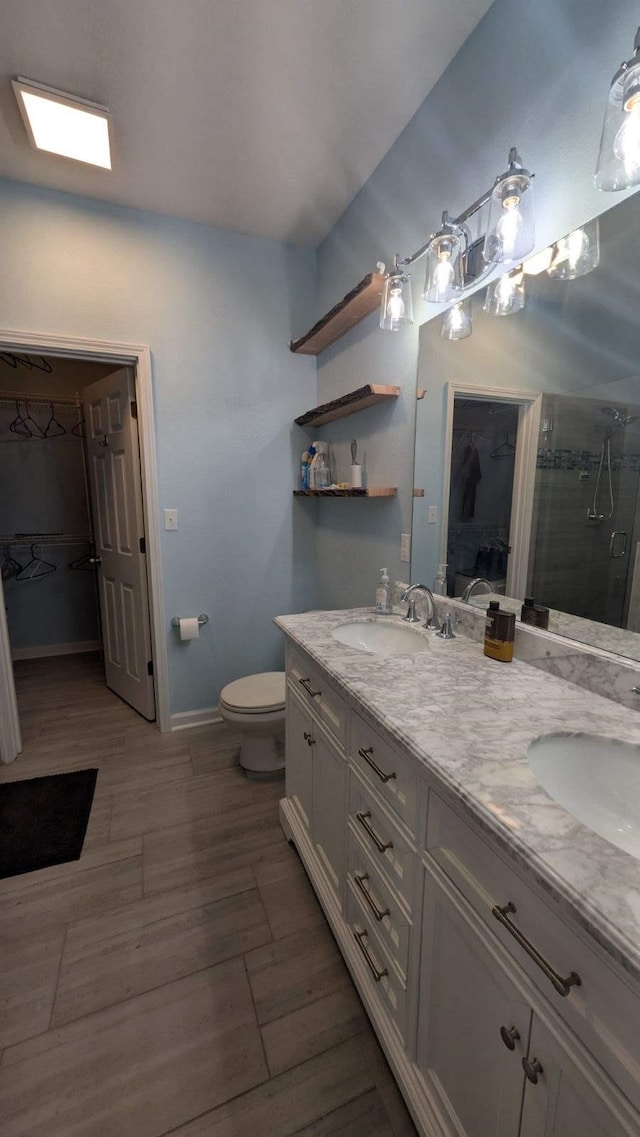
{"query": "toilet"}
pixel 255 705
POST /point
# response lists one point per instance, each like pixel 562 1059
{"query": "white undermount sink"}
pixel 380 638
pixel 595 779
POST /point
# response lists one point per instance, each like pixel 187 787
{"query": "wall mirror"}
pixel 528 440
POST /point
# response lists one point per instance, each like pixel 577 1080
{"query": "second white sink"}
pixel 381 638
pixel 595 779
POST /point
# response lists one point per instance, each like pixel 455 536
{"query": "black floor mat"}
pixel 43 820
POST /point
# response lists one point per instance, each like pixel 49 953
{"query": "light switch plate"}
pixel 171 518
pixel 433 515
pixel 405 547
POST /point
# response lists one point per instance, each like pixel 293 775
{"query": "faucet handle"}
pixel 411 617
pixel 446 631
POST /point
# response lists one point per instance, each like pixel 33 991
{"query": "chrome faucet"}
pixel 466 595
pixel 411 617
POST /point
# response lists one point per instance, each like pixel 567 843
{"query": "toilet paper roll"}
pixel 189 628
pixel 356 477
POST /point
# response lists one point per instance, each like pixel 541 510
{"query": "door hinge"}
pixel 134 409
pixel 150 667
pixel 143 545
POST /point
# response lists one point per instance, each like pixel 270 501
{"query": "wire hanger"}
pixel 80 428
pixel 19 424
pixel 12 360
pixel 54 428
pixel 36 568
pixel 30 422
pixel 10 567
pixel 505 450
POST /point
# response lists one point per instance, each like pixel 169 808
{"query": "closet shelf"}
pixel 348 404
pixel 372 491
pixel 350 311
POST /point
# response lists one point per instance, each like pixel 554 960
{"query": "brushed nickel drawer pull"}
pixel 377 974
pixel 306 683
pixel 532 1069
pixel 378 912
pixel 381 846
pixel 509 1035
pixel 309 739
pixel 563 986
pixel 366 754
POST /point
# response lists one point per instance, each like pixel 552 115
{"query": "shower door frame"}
pixel 137 356
pixel 524 473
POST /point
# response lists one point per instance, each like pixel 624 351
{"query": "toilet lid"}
pixel 264 692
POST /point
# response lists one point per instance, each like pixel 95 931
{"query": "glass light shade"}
pixel 396 310
pixel 444 278
pixel 505 295
pixel 619 157
pixel 510 228
pixel 576 254
pixel 456 323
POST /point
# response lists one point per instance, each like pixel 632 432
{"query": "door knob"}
pixel 509 1035
pixel 532 1069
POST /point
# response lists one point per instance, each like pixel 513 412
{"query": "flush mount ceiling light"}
pixel 63 124
pixel 577 254
pixel 619 158
pixel 450 252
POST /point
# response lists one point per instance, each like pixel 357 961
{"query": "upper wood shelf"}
pixel 350 311
pixel 371 491
pixel 348 404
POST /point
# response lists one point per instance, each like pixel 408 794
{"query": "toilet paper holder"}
pixel 202 619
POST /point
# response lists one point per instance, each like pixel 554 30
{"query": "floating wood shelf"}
pixel 350 311
pixel 348 404
pixel 372 491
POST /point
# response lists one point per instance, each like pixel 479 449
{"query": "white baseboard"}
pixel 55 649
pixel 183 720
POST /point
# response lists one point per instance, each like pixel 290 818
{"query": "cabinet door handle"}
pixel 532 1069
pixel 375 971
pixel 562 985
pixel 367 755
pixel 309 739
pixel 381 846
pixel 379 913
pixel 510 1035
pixel 306 683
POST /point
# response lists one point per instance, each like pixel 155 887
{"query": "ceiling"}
pixel 261 116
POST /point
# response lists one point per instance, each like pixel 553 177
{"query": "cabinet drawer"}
pixel 390 850
pixel 604 1009
pixel 384 981
pixel 313 686
pixel 392 774
pixel 380 903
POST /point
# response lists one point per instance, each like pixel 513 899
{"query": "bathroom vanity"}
pixel 494 940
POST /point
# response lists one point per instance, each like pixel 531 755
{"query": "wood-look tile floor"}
pixel 180 977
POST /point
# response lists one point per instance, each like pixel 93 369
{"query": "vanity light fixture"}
pixel 505 295
pixel 396 311
pixel 456 322
pixel 509 238
pixel 64 124
pixel 577 254
pixel 619 157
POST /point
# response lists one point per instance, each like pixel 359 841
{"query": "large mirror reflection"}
pixel 528 438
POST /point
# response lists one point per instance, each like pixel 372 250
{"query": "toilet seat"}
pixel 255 694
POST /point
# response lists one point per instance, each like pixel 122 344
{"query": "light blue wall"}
pixel 218 310
pixel 535 75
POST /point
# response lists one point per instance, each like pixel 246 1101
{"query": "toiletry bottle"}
pixel 440 581
pixel 305 461
pixel 500 631
pixel 312 471
pixel 383 594
pixel 534 614
pixel 320 474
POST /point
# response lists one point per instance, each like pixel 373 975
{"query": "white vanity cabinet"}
pixel 494 1028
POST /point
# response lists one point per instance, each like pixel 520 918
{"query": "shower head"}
pixel 621 418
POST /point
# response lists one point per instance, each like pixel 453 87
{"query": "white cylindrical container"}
pixel 356 476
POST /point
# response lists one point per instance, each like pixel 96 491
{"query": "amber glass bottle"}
pixel 500 632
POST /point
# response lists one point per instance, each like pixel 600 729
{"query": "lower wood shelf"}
pixel 372 491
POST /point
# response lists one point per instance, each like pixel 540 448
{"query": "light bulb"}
pixel 509 227
pixel 443 278
pixel 505 288
pixel 626 146
pixel 395 305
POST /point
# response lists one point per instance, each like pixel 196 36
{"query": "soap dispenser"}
pixel 383 594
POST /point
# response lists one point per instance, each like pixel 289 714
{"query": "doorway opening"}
pixel 74 529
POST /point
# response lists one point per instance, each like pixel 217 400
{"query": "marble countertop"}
pixel 470 720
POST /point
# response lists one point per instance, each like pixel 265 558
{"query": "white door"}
pixel 116 494
pixel 10 738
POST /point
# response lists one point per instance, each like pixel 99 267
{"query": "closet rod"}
pixel 26 397
pixel 16 539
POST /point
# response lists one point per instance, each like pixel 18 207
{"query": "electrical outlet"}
pixel 171 518
pixel 433 515
pixel 405 547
